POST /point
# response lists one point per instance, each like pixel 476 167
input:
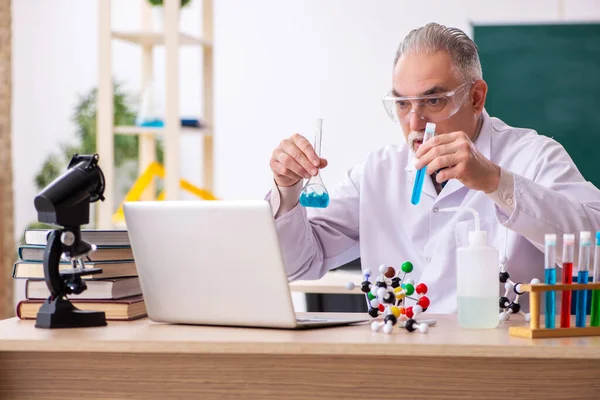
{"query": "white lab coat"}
pixel 370 215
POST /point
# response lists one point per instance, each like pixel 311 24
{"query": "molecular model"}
pixel 388 296
pixel 508 307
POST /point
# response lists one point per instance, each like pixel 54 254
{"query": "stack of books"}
pixel 116 290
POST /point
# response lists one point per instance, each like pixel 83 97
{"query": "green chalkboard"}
pixel 547 77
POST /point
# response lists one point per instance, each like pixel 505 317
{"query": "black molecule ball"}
pixel 514 307
pixel 374 312
pixel 365 287
pixel 411 325
pixel 389 297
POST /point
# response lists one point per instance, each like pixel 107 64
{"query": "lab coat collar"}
pixel 482 143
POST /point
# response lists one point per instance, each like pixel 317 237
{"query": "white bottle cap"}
pixel 429 131
pixel 584 238
pixel 568 238
pixel 550 239
pixel 430 127
pixel 477 238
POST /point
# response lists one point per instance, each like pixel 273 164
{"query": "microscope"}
pixel 65 202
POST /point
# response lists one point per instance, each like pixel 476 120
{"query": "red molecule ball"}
pixel 381 307
pixel 421 288
pixel 424 302
pixel 409 312
pixel 390 272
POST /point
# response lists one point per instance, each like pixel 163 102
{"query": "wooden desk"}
pixel 145 360
pixel 333 282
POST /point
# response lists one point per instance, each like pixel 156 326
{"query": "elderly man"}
pixel 523 185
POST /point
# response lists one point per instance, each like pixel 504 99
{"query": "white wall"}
pixel 278 66
pixel 281 64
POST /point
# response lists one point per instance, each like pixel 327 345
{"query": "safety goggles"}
pixel 431 108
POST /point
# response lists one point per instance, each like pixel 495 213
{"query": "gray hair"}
pixel 434 37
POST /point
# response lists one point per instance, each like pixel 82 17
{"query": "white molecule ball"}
pixel 367 271
pixel 374 290
pixel 410 282
pixel 375 326
pixel 381 292
pixel 350 285
pixel 503 260
pixel 383 268
pixel 388 328
pixel 375 303
pixel 518 287
pixel 508 286
pixel 535 281
pixel 417 309
pixel 423 327
pixel 504 316
pixel 527 317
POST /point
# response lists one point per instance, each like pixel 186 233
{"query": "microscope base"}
pixel 60 313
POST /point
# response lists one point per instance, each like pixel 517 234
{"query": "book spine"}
pixel 18 310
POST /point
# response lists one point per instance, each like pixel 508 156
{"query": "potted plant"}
pixel 158 12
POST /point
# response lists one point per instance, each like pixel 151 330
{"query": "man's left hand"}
pixel 458 158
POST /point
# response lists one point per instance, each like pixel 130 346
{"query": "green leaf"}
pixel 52 167
pixel 160 2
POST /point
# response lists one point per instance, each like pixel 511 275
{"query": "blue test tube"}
pixel 582 277
pixel 595 312
pixel 418 186
pixel 550 278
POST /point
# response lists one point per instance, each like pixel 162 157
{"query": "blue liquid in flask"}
pixel 314 200
pixel 314 194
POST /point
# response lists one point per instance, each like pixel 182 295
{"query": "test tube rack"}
pixel 534 330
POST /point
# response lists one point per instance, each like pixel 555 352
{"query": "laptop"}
pixel 214 262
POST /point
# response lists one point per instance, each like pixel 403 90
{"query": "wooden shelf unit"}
pixel 171 39
pixel 140 130
pixel 152 38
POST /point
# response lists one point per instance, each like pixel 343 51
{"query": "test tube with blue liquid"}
pixel 418 185
pixel 550 279
pixel 314 194
pixel 582 277
pixel 595 311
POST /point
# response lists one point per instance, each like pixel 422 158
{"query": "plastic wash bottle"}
pixel 478 290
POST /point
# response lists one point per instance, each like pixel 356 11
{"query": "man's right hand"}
pixel 294 159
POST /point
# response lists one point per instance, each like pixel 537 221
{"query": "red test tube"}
pixel 567 277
